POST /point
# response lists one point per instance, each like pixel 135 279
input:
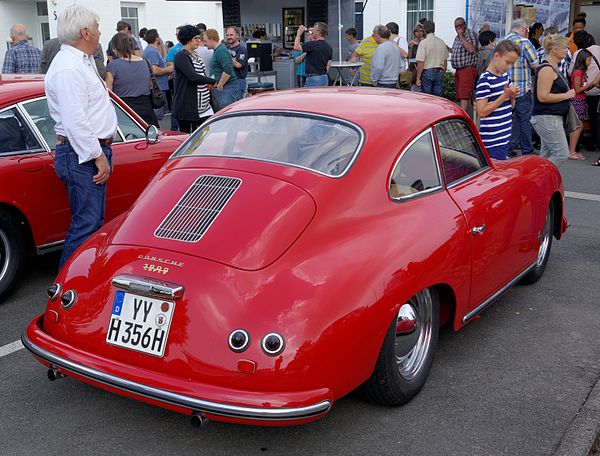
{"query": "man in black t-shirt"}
pixel 318 55
pixel 239 57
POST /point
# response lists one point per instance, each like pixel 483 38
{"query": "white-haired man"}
pixel 22 57
pixel 85 123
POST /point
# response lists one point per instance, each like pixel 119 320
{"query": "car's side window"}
pixel 416 171
pixel 459 150
pixel 130 129
pixel 40 114
pixel 15 134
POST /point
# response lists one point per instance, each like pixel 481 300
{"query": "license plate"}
pixel 140 323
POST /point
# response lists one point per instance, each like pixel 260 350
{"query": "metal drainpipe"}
pixel 467 15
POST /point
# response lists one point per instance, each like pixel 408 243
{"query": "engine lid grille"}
pixel 198 208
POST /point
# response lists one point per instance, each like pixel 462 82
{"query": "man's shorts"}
pixel 465 80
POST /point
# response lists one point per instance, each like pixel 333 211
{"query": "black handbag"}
pixel 156 95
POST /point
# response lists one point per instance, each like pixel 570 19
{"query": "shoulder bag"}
pixel 572 121
pixel 156 95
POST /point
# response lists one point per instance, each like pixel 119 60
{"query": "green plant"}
pixel 449 87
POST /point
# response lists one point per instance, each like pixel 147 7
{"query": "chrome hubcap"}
pixel 4 254
pixel 413 334
pixel 545 240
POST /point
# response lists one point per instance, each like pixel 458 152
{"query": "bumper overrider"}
pixel 41 345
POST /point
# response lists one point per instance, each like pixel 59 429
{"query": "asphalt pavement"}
pixel 520 380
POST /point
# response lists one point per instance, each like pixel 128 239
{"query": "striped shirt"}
pixel 202 92
pixel 520 73
pixel 366 50
pixel 494 129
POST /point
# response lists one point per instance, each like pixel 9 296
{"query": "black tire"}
pixel 537 272
pixel 12 253
pixel 397 379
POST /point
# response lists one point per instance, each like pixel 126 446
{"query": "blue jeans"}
pixel 87 200
pixel 521 127
pixel 317 81
pixel 498 152
pixel 431 82
pixel 243 87
pixel 229 94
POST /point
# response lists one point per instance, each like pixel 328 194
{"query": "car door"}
pixel 29 182
pixel 135 161
pixel 492 203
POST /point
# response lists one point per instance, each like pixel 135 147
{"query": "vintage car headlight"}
pixel 69 299
pixel 54 291
pixel 272 344
pixel 239 340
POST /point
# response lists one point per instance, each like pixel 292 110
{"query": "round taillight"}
pixel 54 291
pixel 239 340
pixel 68 299
pixel 272 344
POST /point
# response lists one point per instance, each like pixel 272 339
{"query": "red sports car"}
pixel 34 208
pixel 301 244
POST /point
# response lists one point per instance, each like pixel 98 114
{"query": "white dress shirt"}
pixel 206 55
pixel 79 102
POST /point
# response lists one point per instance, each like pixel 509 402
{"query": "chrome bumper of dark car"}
pixel 198 405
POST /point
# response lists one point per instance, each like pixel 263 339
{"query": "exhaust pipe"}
pixel 199 420
pixel 54 374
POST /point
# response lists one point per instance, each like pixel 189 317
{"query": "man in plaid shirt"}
pixel 520 74
pixel 464 61
pixel 22 57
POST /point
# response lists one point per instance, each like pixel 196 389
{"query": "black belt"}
pixel 60 139
pixel 316 74
pixel 438 69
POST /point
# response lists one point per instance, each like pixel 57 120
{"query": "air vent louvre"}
pixel 198 208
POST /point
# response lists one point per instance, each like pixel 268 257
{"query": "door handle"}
pixel 478 230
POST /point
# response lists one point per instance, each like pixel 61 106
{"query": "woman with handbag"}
pixel 153 53
pixel 551 104
pixel 192 95
pixel 129 77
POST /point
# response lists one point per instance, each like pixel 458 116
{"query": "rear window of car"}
pixel 322 144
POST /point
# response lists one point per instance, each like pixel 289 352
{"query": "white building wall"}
pixel 160 14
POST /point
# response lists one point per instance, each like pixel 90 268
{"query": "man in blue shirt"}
pixel 22 57
pixel 239 57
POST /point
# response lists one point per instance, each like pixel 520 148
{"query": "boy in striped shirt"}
pixel 495 95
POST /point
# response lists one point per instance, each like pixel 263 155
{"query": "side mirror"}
pixel 152 134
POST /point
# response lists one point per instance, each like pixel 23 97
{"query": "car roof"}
pixel 16 87
pixel 369 108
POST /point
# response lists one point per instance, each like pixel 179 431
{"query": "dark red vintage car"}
pixel 34 208
pixel 301 244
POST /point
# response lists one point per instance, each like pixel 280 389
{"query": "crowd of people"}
pixel 550 78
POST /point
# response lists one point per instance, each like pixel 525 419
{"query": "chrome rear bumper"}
pixel 194 404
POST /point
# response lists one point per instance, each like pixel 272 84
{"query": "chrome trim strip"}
pixel 310 115
pixel 496 295
pixel 199 405
pixel 148 286
pixel 50 247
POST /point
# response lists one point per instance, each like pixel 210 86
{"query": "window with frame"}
pixel 415 10
pixel 459 150
pixel 130 14
pixel 416 171
pixel 15 134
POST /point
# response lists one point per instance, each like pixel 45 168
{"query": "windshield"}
pixel 320 144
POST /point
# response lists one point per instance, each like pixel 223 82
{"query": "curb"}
pixel 581 433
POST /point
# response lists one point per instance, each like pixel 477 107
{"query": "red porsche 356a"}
pixel 297 246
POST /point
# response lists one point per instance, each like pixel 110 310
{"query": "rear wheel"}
pixel 407 351
pixel 12 253
pixel 544 250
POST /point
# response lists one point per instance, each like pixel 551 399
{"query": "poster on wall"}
pixel 493 12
